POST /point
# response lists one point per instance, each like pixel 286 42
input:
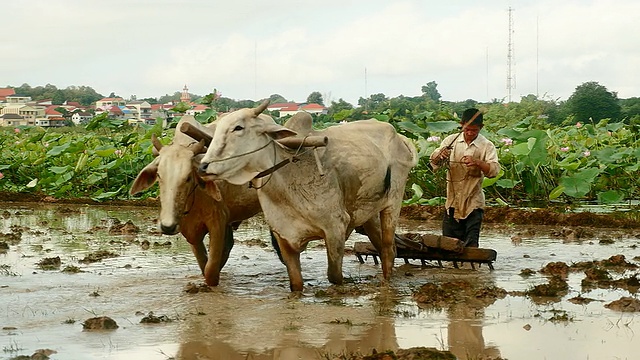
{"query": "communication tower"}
pixel 511 58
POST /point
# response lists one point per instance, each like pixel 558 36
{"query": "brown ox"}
pixel 186 206
pixel 357 179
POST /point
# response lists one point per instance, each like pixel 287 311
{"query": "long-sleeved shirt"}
pixel 464 184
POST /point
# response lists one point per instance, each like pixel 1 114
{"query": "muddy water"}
pixel 250 316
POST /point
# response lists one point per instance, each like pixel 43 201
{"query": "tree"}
pixel 593 101
pixel 430 91
pixel 315 98
pixel 277 98
pixel 166 98
pixel 630 108
pixel 341 107
pixel 376 102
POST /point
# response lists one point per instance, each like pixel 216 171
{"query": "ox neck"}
pixel 279 151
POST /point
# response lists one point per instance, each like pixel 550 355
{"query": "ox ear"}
pixel 278 132
pixel 211 188
pixel 145 178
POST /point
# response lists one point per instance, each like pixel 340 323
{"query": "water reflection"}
pixel 464 332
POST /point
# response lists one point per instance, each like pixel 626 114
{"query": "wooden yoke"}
pixel 290 142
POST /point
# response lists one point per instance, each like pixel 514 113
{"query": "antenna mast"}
pixel 511 58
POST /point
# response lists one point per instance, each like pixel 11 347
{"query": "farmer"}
pixel 470 158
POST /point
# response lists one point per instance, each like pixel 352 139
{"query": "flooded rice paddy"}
pixel 61 265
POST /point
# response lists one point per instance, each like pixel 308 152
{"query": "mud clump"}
pixel 624 304
pixel 40 354
pixel 416 353
pixel 557 268
pixel 12 238
pixel 440 296
pixel 555 288
pixel 527 272
pixel 52 263
pixel 151 318
pixel 580 300
pixel 98 256
pixel 128 228
pixel 615 262
pixel 192 288
pixel 72 269
pixel 100 323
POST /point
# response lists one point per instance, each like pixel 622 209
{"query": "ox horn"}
pixel 257 111
pixel 157 145
pixel 198 148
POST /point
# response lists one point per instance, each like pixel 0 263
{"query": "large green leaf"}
pixel 570 164
pixel 555 193
pixel 579 184
pixel 104 151
pixel 412 127
pixel 106 195
pixel 95 177
pixel 510 133
pixel 108 166
pixel 507 183
pixel 610 197
pixel 59 169
pixel 442 126
pixel 57 150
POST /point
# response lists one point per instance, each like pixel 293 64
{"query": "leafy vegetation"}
pixel 546 154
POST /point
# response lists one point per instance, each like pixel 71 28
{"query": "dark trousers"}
pixel 467 230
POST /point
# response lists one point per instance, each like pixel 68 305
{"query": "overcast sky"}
pixel 344 49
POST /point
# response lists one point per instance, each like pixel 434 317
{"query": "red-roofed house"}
pixel 197 109
pixel 286 109
pixel 314 108
pixel 4 92
pixel 51 112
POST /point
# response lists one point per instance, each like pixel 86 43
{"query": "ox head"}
pixel 242 146
pixel 174 168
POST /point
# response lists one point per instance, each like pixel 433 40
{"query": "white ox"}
pixel 365 167
pixel 186 206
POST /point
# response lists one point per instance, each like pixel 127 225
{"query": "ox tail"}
pixel 387 180
pixel 276 247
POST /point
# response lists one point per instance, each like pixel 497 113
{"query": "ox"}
pixel 358 179
pixel 187 207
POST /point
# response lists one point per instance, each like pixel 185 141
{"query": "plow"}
pixel 429 247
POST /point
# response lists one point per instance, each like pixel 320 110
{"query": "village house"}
pixel 81 117
pixel 291 108
pixel 4 92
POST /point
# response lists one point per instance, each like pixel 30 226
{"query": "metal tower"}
pixel 511 58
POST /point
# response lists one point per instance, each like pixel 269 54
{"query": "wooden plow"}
pixel 430 247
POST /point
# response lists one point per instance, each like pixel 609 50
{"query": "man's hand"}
pixel 469 161
pixel 443 155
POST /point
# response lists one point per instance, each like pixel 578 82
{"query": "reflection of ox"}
pixel 357 179
pixel 186 206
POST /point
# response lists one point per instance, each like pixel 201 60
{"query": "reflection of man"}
pixel 470 157
pixel 464 334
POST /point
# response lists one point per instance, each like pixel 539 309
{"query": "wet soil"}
pixel 561 278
